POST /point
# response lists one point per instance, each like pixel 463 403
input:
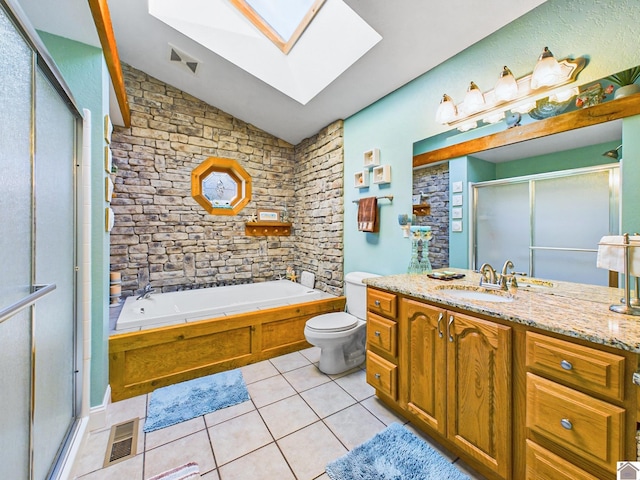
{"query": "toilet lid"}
pixel 332 322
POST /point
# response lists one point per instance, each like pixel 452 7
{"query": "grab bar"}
pixel 40 291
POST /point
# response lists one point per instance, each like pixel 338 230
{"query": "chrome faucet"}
pixel 146 291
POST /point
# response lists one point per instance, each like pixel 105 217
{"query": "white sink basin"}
pixel 483 295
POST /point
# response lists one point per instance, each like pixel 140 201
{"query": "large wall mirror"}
pixel 221 186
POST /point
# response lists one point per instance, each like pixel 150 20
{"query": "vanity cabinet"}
pixel 570 405
pixel 455 376
pixel 382 342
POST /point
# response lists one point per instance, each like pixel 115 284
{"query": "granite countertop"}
pixel 572 309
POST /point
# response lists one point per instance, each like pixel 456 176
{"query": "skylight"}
pixel 281 21
pixel 334 41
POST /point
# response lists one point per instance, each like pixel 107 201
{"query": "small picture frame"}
pixel 108 189
pixel 456 226
pixel 108 159
pixel 108 129
pixel 456 200
pixel 456 212
pixel 109 219
pixel 268 215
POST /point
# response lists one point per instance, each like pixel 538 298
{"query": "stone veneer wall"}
pixel 434 183
pixel 319 211
pixel 162 236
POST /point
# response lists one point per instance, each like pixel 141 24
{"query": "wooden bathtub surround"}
pixel 140 362
pixel 513 401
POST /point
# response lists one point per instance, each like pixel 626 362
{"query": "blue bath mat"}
pixel 186 400
pixel 393 454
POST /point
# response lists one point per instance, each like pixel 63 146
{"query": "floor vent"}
pixel 122 442
pixel 186 61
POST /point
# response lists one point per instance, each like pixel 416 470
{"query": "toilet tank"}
pixel 356 293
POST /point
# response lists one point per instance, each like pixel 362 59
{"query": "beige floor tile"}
pixel 381 411
pixel 309 450
pixel 91 457
pixel 193 448
pixel 354 425
pixel 342 374
pixel 305 378
pixel 324 476
pixel 128 409
pixel 356 385
pixel 267 463
pixel 312 354
pixel 270 390
pixel 212 475
pixel 291 361
pixel 169 434
pixel 287 416
pixel 327 399
pixel 258 371
pixel 238 436
pixel 130 469
pixel 228 413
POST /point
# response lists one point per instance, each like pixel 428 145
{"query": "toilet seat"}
pixel 332 322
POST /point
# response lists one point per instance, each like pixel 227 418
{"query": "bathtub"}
pixel 192 305
pixel 173 337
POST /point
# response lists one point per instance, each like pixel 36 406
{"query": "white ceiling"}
pixel 415 38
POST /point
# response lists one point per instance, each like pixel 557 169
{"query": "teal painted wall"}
pixel 603 31
pixel 630 216
pixel 576 158
pixel 84 70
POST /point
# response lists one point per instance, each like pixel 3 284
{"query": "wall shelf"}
pixel 257 229
pixel 422 210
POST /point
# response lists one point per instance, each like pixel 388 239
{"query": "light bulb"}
pixel 446 110
pixel 474 99
pixel 507 87
pixel 546 72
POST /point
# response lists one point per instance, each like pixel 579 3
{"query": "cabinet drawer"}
pixel 381 333
pixel 544 465
pixel 597 371
pixel 588 427
pixel 381 374
pixel 383 303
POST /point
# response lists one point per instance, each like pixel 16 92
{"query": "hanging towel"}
pixel 611 254
pixel 368 214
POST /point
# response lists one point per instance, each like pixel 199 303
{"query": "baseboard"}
pixel 98 414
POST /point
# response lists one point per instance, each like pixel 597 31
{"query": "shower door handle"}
pixel 38 292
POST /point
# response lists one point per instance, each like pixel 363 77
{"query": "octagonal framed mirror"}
pixel 221 186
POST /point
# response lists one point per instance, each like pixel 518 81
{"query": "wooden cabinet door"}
pixel 425 370
pixel 479 389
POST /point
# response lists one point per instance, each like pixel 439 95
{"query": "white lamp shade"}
pixel 474 99
pixel 446 110
pixel 507 87
pixel 547 71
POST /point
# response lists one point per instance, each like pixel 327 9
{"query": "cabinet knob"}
pixel 377 375
pixel 566 424
pixel 377 303
pixel 377 333
pixel 566 365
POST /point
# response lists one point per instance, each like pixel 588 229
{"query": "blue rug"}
pixel 393 454
pixel 186 400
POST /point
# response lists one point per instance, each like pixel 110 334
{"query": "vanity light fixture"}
pixel 507 88
pixel 615 153
pixel 473 100
pixel 550 78
pixel 547 72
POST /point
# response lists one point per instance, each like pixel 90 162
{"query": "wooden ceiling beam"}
pixel 102 20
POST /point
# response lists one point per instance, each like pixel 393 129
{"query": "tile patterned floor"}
pixel 298 420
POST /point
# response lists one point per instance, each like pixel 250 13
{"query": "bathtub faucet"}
pixel 148 290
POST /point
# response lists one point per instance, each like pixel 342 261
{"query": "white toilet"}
pixel 341 336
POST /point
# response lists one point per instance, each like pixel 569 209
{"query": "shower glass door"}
pixel 549 225
pixel 38 344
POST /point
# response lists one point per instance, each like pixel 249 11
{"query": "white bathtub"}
pixel 191 305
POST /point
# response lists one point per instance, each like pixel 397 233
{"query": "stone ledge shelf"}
pixel 257 229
